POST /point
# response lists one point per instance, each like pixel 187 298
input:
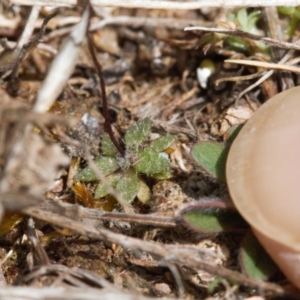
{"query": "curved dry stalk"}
pixel 240 78
pixel 106 116
pixel 252 86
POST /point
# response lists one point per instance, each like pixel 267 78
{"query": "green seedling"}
pixel 123 167
pixel 294 14
pixel 244 21
pixel 123 171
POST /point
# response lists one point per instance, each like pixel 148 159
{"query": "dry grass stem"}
pixel 61 293
pixel 244 34
pixel 13 64
pixel 266 65
pixel 240 78
pixel 170 5
pixel 169 253
pixel 62 66
pixel 29 28
pixel 263 78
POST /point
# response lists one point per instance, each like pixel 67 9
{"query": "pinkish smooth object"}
pixel 263 176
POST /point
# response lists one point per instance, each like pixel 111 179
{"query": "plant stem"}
pixel 104 98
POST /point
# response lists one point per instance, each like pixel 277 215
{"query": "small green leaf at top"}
pixel 107 146
pixel 151 163
pixel 247 21
pixel 255 262
pixel 286 10
pixel 211 157
pixel 106 165
pixel 162 143
pixel 136 134
pixel 294 18
pixel 128 185
pixel 212 217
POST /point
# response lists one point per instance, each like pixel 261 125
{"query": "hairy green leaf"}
pixel 128 185
pixel 137 134
pixel 112 179
pixel 106 165
pixel 255 262
pixel 212 217
pixel 151 163
pixel 107 146
pixel 162 143
pixel 211 157
pixel 163 175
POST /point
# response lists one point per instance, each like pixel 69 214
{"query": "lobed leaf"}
pixel 112 179
pixel 151 163
pixel 106 165
pixel 128 185
pixel 107 146
pixel 137 134
pixel 163 175
pixel 162 143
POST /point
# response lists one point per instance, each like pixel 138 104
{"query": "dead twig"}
pixel 79 277
pixel 41 254
pixel 170 5
pixel 266 65
pixel 275 31
pixel 173 254
pixel 263 78
pixel 240 78
pixel 28 29
pixel 97 214
pixel 13 65
pixel 60 293
pixel 62 66
pixel 247 35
